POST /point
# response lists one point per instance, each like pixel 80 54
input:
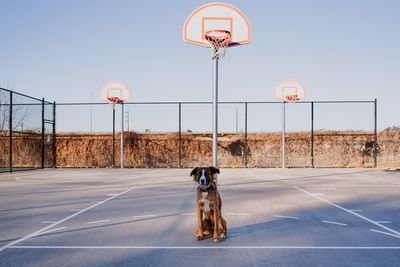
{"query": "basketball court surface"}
pixel 146 217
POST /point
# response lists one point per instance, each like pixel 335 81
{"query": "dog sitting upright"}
pixel 209 217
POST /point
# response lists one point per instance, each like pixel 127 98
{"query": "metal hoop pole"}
pixel 215 108
pixel 113 137
pixel 312 134
pixel 10 133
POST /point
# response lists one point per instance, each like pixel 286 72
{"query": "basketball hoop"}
pixel 291 98
pixel 218 39
pixel 116 93
pixel 114 100
pixel 216 25
pixel 289 91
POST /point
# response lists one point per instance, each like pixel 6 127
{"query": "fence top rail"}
pixel 27 96
pixel 29 104
pixel 220 102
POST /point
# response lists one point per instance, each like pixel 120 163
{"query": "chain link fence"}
pixel 178 134
pixel 27 132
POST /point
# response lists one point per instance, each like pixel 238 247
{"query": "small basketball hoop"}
pixel 218 39
pixel 114 92
pixel 291 98
pixel 114 100
pixel 289 91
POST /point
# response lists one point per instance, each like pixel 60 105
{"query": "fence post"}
pixel 375 132
pixel 122 135
pixel 245 135
pixel 43 129
pixel 54 135
pixel 10 128
pixel 312 134
pixel 180 135
pixel 283 135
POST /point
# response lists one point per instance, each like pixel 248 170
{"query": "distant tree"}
pixel 20 112
pixel 4 111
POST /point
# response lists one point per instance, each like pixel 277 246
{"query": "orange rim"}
pixel 114 100
pixel 218 40
pixel 292 97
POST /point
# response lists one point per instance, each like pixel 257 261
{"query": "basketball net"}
pixel 114 100
pixel 219 40
pixel 291 98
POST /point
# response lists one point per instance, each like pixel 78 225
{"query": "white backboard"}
pixel 114 89
pixel 289 88
pixel 216 16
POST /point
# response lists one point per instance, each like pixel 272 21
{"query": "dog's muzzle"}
pixel 202 182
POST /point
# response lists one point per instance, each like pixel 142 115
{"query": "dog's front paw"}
pixel 216 238
pixel 199 236
pixel 222 236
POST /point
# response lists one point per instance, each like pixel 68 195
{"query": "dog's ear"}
pixel 193 172
pixel 214 169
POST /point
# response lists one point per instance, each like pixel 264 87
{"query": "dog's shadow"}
pixel 249 229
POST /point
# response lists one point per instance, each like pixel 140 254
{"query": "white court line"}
pixel 376 231
pixel 31 175
pixel 261 178
pixel 51 182
pixel 63 220
pixel 356 210
pixel 337 223
pixel 252 174
pixel 52 230
pixel 145 216
pixel 286 217
pixel 188 214
pixel 75 210
pixel 351 212
pixel 49 222
pixel 384 221
pixel 112 194
pixel 238 214
pixel 99 221
pixel 206 247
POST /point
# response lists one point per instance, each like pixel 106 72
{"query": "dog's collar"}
pixel 207 188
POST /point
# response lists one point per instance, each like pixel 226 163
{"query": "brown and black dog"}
pixel 209 217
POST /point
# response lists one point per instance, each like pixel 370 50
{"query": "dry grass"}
pixel 331 149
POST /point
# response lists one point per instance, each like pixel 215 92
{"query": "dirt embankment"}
pixel 330 149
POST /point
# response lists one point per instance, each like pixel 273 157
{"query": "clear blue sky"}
pixel 341 50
